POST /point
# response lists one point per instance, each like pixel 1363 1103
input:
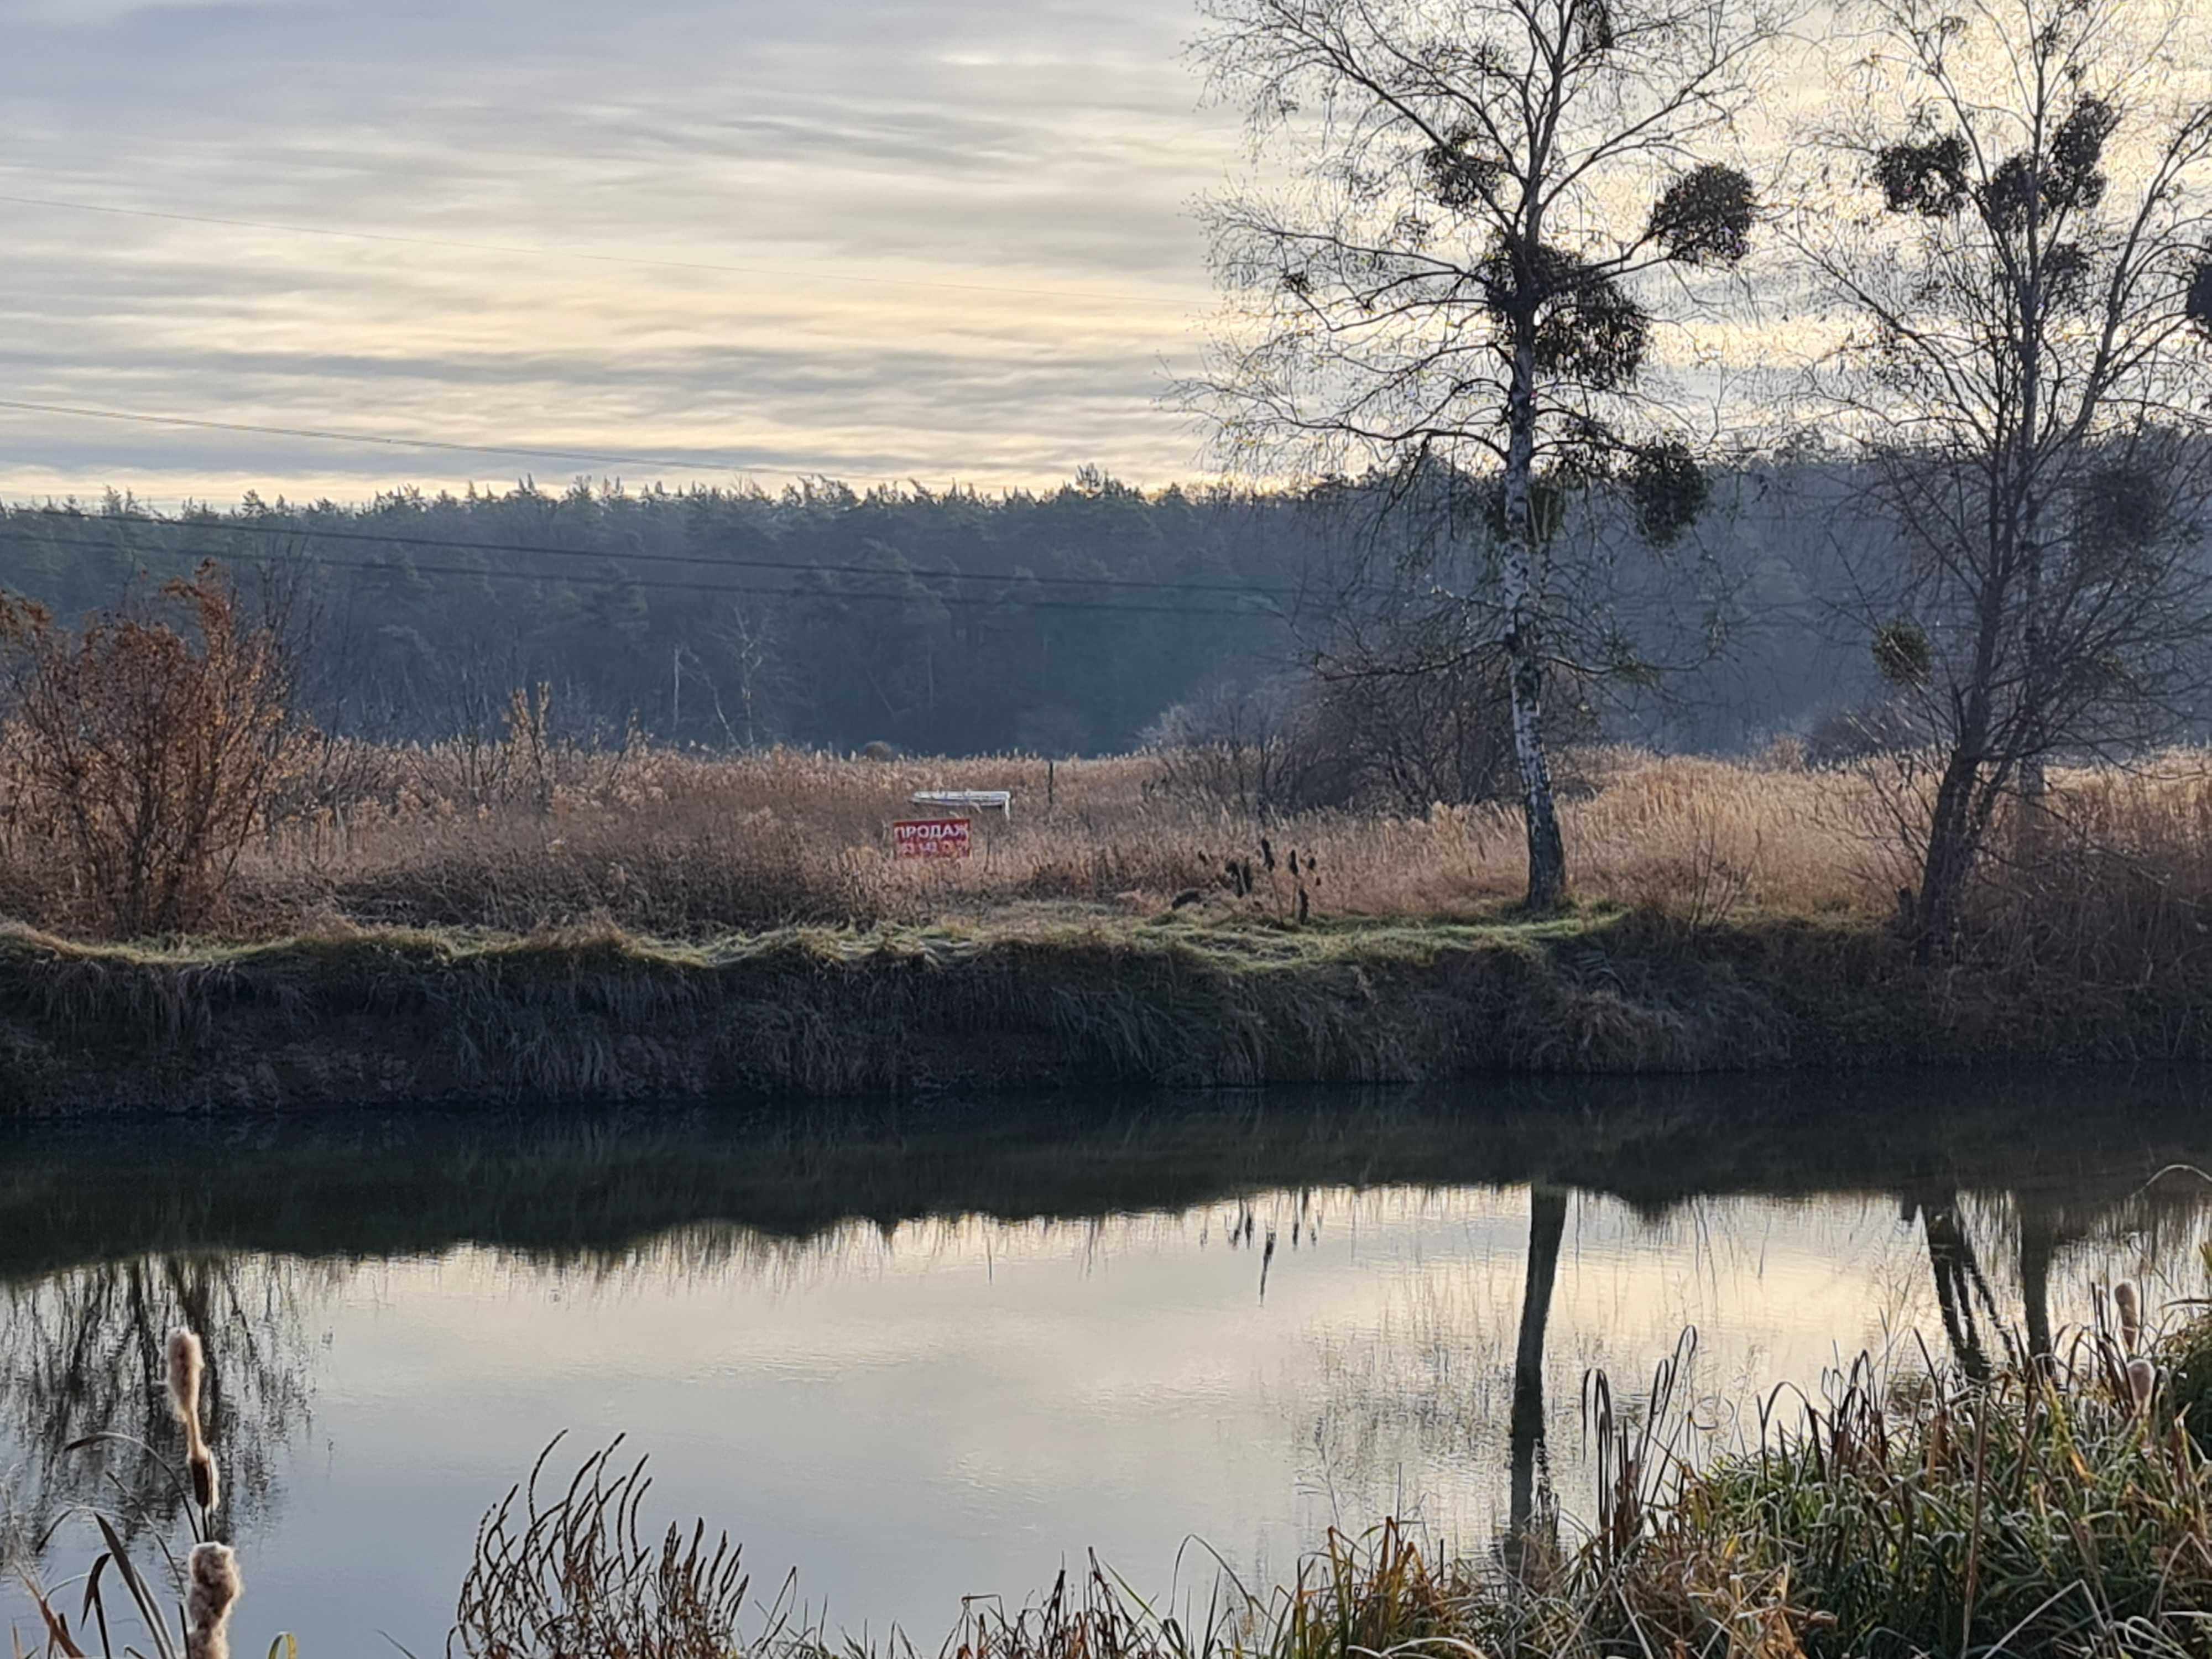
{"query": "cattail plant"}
pixel 2142 1381
pixel 208 1581
pixel 2130 1309
pixel 187 1368
pixel 212 1589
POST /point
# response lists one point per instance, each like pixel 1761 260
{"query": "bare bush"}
pixel 1880 728
pixel 1411 732
pixel 1251 749
pixel 147 746
pixel 1401 730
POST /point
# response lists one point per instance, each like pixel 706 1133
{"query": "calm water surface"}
pixel 917 1353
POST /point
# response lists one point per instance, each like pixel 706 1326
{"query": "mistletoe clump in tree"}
pixel 1457 283
pixel 2020 260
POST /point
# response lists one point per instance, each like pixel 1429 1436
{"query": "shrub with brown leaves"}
pixel 144 746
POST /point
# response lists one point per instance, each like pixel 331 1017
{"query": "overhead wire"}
pixel 387 568
pixel 709 560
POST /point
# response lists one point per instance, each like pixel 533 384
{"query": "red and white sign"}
pixel 930 838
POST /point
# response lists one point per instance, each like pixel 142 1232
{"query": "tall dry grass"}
pixel 522 833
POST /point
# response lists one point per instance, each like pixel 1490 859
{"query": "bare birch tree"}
pixel 2017 243
pixel 1460 279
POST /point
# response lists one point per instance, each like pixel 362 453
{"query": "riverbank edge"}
pixel 361 1015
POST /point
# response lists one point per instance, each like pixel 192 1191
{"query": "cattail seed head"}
pixel 2130 1311
pixel 212 1589
pixel 187 1369
pixel 2142 1377
pixel 187 1365
pixel 207 1485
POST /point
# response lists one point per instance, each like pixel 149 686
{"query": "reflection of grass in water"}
pixel 1389 1409
pixel 712 1252
pixel 1389 1406
pixel 716 1252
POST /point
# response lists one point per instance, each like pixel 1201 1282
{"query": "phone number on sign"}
pixel 930 838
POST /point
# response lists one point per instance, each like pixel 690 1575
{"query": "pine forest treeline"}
pixel 1059 622
pixel 937 623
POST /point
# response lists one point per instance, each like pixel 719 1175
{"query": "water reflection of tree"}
pixel 1547 1226
pixel 80 1366
pixel 2040 1227
pixel 2038 1246
pixel 1960 1282
pixel 1432 1386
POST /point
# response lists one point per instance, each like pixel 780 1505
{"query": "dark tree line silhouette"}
pixel 1063 621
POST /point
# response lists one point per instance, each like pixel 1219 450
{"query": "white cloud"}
pixel 939 147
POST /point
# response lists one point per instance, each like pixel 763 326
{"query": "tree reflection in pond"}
pixel 81 1385
pixel 1547 1226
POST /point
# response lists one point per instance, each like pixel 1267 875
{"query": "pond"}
pixel 907 1354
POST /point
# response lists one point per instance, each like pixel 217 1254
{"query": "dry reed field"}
pixel 519 836
pixel 526 920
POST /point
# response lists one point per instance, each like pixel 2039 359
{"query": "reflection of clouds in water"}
pixel 1413 1393
pixel 957 1404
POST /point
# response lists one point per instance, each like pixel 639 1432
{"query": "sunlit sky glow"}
pixel 938 148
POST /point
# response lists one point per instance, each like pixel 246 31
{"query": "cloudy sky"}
pixel 944 239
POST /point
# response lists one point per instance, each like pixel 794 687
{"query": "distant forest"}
pixel 1058 622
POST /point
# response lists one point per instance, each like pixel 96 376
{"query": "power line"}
pixel 363 437
pixel 975 601
pixel 708 560
pixel 811 275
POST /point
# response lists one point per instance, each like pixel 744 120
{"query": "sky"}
pixel 691 241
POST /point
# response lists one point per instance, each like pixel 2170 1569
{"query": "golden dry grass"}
pixel 519 836
pixel 666 840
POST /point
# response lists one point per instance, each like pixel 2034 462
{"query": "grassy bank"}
pixel 564 923
pixel 352 1014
